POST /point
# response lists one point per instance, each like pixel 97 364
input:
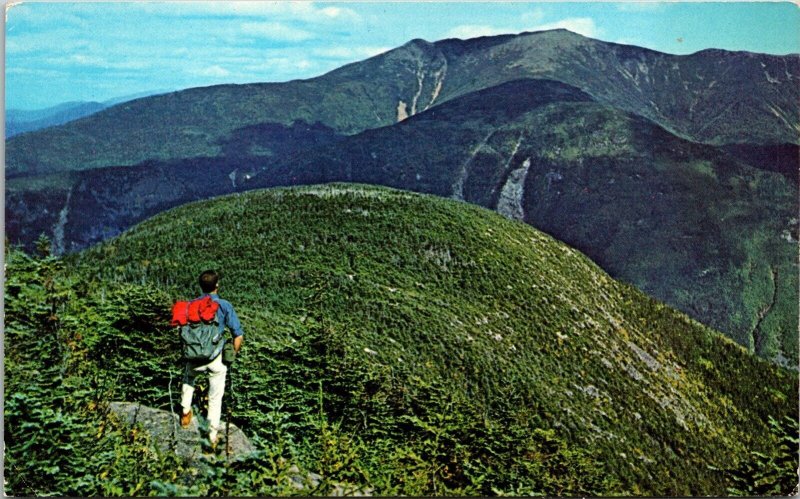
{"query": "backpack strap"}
pixel 220 320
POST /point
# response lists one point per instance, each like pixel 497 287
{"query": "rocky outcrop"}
pixel 510 204
pixel 191 444
pixel 188 443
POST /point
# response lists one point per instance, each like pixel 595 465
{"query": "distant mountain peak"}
pixel 418 42
pixel 554 31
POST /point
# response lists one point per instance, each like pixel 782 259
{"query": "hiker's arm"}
pixel 232 321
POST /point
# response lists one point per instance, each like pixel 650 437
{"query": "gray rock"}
pixel 191 444
pixel 645 357
pixel 311 481
pixel 188 443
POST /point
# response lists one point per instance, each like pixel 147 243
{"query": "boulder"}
pixel 189 443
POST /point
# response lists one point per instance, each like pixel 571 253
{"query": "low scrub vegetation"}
pixel 395 342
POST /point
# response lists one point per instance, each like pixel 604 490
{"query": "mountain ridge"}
pixel 612 74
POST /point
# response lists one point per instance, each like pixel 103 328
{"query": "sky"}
pixel 71 51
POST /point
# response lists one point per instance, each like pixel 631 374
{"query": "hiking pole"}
pixel 174 420
pixel 228 417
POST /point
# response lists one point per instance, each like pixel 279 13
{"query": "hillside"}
pixel 712 96
pixel 416 345
pixel 80 208
pixel 686 223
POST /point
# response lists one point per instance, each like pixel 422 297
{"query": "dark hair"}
pixel 208 281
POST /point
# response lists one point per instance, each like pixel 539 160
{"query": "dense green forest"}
pixel 398 342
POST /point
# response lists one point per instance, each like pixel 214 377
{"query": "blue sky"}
pixel 58 52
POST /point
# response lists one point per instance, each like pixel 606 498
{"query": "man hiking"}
pixel 224 317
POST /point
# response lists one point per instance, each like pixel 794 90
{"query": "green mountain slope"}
pixel 77 209
pixel 684 222
pixel 102 202
pixel 711 96
pixel 408 343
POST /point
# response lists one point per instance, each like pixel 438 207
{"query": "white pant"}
pixel 216 387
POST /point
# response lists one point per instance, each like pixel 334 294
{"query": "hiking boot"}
pixel 186 419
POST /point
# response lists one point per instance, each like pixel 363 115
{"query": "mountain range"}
pixel 677 174
pixel 23 120
pixel 20 120
pixel 711 96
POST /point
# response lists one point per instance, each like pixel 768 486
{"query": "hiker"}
pixel 225 316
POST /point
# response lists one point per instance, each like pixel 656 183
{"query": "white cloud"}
pixel 640 6
pixel 64 40
pixel 340 13
pixel 284 10
pixel 534 16
pixel 275 31
pixel 277 65
pixel 82 60
pixel 342 52
pixel 92 61
pixel 39 72
pixel 42 15
pixel 475 30
pixel 582 25
pixel 214 72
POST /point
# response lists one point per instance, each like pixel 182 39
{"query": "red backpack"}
pixel 199 328
pixel 202 309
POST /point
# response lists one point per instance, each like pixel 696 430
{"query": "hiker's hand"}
pixel 237 343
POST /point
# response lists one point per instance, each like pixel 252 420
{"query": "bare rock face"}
pixel 191 444
pixel 165 429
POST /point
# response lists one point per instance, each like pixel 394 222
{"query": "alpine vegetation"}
pixel 397 344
